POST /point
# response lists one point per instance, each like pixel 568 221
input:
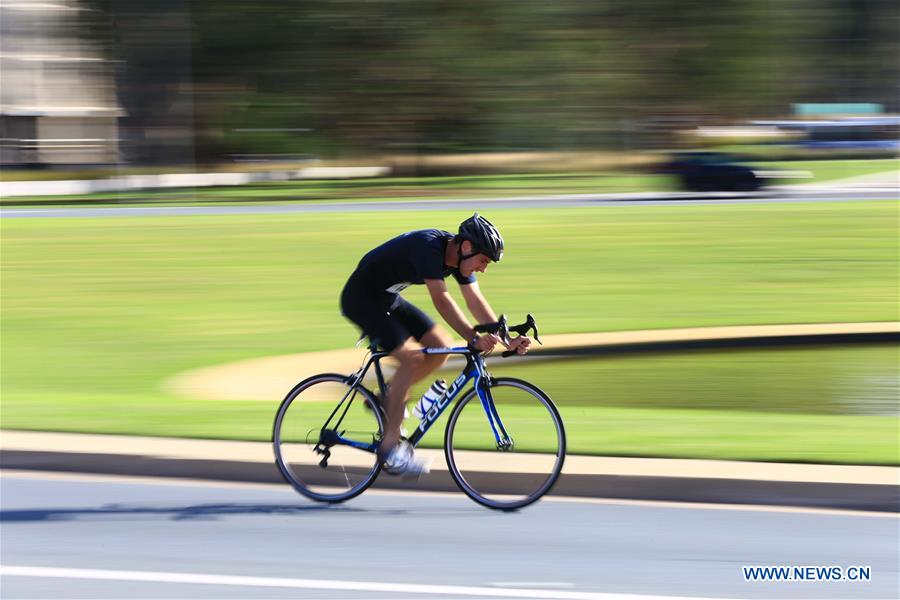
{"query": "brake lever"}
pixel 504 331
pixel 523 330
pixel 524 327
pixel 530 321
pixel 494 328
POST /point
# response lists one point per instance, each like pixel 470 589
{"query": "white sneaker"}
pixel 401 460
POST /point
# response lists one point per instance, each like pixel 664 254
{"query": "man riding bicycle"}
pixel 371 299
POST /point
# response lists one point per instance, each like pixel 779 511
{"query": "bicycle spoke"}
pixel 327 464
pixel 494 473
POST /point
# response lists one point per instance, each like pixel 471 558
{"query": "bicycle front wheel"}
pixel 507 450
pixel 325 436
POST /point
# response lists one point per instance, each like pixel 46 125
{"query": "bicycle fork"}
pixel 504 441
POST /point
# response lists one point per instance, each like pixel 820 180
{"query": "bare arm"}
pixel 477 303
pixel 455 317
pixel 481 310
pixel 449 310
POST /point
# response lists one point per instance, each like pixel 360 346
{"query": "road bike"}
pixel 504 441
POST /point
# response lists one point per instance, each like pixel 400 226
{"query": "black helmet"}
pixel 484 237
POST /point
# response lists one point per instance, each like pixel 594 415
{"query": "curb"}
pixel 799 494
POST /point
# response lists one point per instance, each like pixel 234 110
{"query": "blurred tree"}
pixel 340 77
pixel 853 52
pixel 151 45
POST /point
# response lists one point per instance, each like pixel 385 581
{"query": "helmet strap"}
pixel 459 253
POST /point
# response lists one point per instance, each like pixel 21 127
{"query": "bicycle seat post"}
pixel 379 374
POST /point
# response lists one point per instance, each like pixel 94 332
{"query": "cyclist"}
pixel 371 299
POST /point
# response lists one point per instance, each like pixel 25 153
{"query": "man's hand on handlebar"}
pixel 485 343
pixel 519 344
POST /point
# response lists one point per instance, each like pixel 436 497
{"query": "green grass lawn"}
pixel 809 404
pixel 98 313
pixel 742 434
pixel 705 434
pixel 830 170
pixel 843 380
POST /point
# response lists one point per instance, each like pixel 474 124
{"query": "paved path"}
pixel 104 538
pixel 780 195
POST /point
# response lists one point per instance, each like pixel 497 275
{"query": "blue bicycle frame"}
pixel 474 371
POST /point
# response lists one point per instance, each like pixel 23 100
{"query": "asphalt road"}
pixel 784 194
pixel 96 537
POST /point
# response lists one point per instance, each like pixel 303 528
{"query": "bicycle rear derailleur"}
pixel 327 439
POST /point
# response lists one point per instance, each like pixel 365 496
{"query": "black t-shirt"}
pixel 406 260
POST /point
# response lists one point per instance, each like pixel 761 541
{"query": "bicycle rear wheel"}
pixel 328 459
pixel 526 462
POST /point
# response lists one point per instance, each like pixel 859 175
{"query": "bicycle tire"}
pixel 296 431
pixel 532 421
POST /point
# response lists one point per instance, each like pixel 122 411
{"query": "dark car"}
pixel 712 172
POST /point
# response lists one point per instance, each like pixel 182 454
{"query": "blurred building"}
pixel 57 92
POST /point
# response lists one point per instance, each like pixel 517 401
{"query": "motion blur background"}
pixel 146 83
pixel 432 99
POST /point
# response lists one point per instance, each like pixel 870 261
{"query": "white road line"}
pixel 533 584
pixel 314 584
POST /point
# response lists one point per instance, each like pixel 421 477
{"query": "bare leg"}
pixel 411 361
pixel 436 337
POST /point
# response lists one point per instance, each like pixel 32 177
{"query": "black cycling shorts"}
pixel 387 319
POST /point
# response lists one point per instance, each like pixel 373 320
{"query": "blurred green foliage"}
pixel 487 75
